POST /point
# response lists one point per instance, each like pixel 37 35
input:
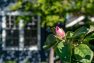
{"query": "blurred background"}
pixel 25 24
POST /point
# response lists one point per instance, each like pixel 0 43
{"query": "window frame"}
pixel 17 13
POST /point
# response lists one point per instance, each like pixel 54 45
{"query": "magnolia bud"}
pixel 59 32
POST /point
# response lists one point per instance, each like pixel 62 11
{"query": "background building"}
pixel 22 38
pixel 20 42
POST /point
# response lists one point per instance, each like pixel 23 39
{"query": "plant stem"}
pixel 51 56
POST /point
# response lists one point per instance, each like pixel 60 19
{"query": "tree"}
pixel 53 11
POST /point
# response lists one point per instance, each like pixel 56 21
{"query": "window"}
pixel 20 38
pixel 12 38
pixel 30 34
pixel 12 32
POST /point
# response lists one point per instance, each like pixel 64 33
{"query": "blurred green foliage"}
pixel 53 11
pixel 9 61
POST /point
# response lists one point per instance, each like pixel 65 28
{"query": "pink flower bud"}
pixel 59 32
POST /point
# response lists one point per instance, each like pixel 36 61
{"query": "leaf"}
pixel 69 34
pixel 91 29
pixel 50 41
pixel 83 53
pixel 80 32
pixel 16 6
pixel 89 37
pixel 64 52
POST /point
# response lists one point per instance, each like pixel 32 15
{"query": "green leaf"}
pixel 69 34
pixel 89 37
pixel 83 53
pixel 50 41
pixel 16 6
pixel 64 52
pixel 91 29
pixel 80 33
pixel 60 46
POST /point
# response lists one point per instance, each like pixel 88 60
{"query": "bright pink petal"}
pixel 60 32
